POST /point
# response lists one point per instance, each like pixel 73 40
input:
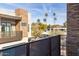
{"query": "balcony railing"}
pixel 49 46
pixel 10 36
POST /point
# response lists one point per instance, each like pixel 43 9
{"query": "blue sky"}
pixel 37 10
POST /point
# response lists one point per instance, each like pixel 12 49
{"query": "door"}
pixel 6 29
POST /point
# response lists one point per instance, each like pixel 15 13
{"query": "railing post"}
pixel 28 49
pixel 54 46
pixel 59 40
pixel 49 46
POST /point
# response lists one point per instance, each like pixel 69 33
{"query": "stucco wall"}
pixel 24 21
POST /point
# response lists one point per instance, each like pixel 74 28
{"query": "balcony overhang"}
pixel 4 16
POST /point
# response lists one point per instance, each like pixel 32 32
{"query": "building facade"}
pixel 72 29
pixel 14 27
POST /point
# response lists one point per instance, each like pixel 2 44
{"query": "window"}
pixel 23 24
pixel 6 29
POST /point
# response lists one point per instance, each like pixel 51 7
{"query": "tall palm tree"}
pixel 54 14
pixel 55 20
pixel 46 14
pixel 38 21
pixel 45 19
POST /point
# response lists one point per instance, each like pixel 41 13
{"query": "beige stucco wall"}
pixel 29 24
pixel 24 21
pixel 0 28
pixel 0 25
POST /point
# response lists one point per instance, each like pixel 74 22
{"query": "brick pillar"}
pixel 73 29
pixel 24 21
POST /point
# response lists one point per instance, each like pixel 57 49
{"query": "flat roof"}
pixel 10 17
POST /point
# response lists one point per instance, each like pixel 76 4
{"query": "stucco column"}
pixel 17 26
pixel 0 26
pixel 24 21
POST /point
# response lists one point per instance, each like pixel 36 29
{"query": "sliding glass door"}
pixel 6 28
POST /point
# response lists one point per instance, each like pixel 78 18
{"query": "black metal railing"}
pixel 49 46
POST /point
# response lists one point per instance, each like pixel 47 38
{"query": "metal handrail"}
pixel 10 36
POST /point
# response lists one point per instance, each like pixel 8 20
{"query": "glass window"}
pixel 6 29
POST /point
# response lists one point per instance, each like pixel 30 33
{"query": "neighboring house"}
pixel 59 29
pixel 14 27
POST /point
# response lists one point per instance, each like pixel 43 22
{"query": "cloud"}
pixel 38 10
pixel 6 10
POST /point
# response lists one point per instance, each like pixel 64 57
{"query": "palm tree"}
pixel 54 14
pixel 45 19
pixel 55 20
pixel 46 14
pixel 38 21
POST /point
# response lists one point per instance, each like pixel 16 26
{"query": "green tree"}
pixel 37 30
pixel 42 26
pixel 49 27
pixel 36 33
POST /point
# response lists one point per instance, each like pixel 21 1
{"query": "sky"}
pixel 37 10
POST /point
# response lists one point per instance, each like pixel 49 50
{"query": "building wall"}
pixel 73 29
pixel 29 25
pixel 0 27
pixel 17 26
pixel 10 21
pixel 24 21
pixel 13 28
